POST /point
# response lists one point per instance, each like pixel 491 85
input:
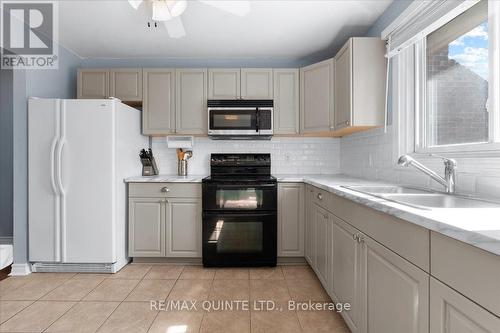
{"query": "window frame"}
pixel 420 146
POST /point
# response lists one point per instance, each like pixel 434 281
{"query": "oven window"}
pixel 232 119
pixel 238 237
pixel 247 198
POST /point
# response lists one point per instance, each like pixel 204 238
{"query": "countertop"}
pixel 165 179
pixel 478 227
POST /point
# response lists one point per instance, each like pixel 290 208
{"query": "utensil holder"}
pixel 182 167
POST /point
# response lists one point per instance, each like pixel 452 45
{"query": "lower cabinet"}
pixel 386 292
pixel 146 227
pixel 164 220
pixel 183 226
pixel 322 241
pixel 346 273
pixel 291 220
pixel 310 233
pixel 450 312
pixel 396 298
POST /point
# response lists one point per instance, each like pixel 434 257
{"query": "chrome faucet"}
pixel 450 167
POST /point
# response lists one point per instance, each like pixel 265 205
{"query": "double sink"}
pixel 421 198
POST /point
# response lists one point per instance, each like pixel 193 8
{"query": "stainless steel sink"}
pixel 421 198
pixel 387 189
pixel 439 201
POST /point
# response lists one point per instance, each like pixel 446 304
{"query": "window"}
pixel 455 111
pixel 457 80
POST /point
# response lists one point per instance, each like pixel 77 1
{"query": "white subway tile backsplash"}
pixel 288 155
pixel 370 155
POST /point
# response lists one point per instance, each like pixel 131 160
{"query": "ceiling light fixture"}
pixel 161 12
pixel 177 7
pixel 164 10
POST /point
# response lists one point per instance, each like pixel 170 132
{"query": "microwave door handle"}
pixel 257 119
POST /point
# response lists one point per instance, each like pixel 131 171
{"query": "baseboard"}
pixel 20 270
pixel 161 260
pixel 291 261
pixel 197 261
pixel 5 240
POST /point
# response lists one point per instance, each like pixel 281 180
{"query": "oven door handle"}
pixel 257 120
pixel 245 186
pixel 209 214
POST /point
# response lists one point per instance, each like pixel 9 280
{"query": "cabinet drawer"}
pixel 471 271
pixel 169 190
pixel 406 239
pixel 321 197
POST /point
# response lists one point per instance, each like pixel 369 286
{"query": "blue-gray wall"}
pixel 271 62
pixel 55 83
pixel 6 142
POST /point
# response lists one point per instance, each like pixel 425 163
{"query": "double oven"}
pixel 239 211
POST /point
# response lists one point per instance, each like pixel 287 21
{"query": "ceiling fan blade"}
pixel 175 28
pixel 135 3
pixel 236 7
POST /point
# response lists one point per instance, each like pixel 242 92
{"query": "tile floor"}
pixel 66 302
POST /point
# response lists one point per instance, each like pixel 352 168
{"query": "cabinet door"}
pixel 93 83
pixel 322 241
pixel 126 84
pixel 224 83
pixel 291 220
pixel 183 227
pixel 343 87
pixel 346 270
pixel 451 312
pixel 191 101
pixel 316 97
pixel 286 101
pixel 309 226
pixel 146 230
pixel 256 83
pixel 397 292
pixel 158 107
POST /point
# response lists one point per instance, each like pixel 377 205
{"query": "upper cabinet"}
pixel 317 97
pixel 286 101
pixel 224 83
pixel 256 83
pixel 158 115
pixel 360 74
pixel 235 83
pixel 93 83
pixel 126 84
pixel 191 101
pixel 122 83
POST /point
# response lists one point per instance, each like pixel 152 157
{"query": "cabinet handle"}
pixel 165 189
pixel 347 122
pixel 320 197
pixel 361 239
pixel 164 200
pixel 355 237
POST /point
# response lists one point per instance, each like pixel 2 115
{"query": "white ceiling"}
pixel 286 28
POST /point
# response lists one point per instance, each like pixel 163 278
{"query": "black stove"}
pixel 239 211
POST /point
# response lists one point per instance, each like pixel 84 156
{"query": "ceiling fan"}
pixel 169 11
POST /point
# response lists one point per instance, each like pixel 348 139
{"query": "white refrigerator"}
pixel 79 152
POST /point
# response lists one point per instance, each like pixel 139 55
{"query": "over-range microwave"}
pixel 240 119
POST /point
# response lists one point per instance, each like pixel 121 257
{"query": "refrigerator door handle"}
pixel 55 142
pixel 59 166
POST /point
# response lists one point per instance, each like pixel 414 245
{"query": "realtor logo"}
pixel 29 35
